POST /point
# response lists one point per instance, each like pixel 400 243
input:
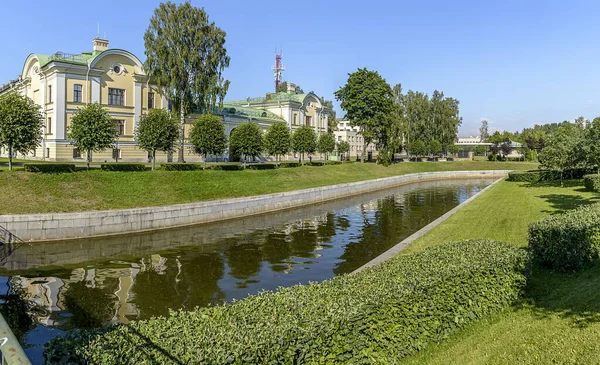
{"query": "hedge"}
pixel 266 166
pixel 566 241
pixel 123 167
pixel 182 167
pixel 289 164
pixel 226 167
pixel 534 176
pixel 315 163
pixel 333 162
pixel 378 315
pixel 592 182
pixel 48 167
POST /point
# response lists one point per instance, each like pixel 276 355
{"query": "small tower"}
pixel 278 69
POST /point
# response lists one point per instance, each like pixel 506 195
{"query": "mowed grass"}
pixel 559 319
pixel 24 192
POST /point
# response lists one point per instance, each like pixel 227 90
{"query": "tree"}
pixel 453 149
pixel 92 130
pixel 417 148
pixel 480 150
pixel 185 55
pixel 208 136
pixel 435 148
pixel 21 125
pixel 561 151
pixel 326 144
pixel 343 147
pixel 368 101
pixel 247 141
pixel 304 140
pixel 592 137
pixel 483 130
pixel 157 131
pixel 278 140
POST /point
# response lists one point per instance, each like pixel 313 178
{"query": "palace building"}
pixel 62 83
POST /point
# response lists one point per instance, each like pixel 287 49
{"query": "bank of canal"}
pixel 59 286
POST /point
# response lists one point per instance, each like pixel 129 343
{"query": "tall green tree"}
pixel 326 144
pixel 208 136
pixel 304 140
pixel 561 151
pixel 157 131
pixel 483 130
pixel 368 101
pixel 398 128
pixel 186 55
pixel 592 143
pixel 435 148
pixel 92 130
pixel 21 125
pixel 247 141
pixel 343 147
pixel 417 148
pixel 278 140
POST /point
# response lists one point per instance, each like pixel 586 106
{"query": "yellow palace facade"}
pixel 62 83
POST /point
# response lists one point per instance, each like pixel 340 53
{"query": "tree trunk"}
pixel 299 158
pixel 88 158
pixel 364 152
pixel 205 157
pixel 10 153
pixel 153 159
pixel 181 130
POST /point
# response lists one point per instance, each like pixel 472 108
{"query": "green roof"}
pixel 274 98
pixel 232 109
pixel 84 58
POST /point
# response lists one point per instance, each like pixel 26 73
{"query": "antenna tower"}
pixel 278 69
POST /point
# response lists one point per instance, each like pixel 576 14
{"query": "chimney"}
pixel 291 87
pixel 100 44
pixel 268 96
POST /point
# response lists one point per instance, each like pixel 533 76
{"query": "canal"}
pixel 49 288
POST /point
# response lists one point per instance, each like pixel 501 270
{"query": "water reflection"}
pixel 94 282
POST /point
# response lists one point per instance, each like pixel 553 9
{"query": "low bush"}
pixel 123 167
pixel 182 167
pixel 266 166
pixel 525 176
pixel 592 182
pixel 226 167
pixel 289 164
pixel 332 162
pixel 315 163
pixel 48 167
pixel 566 241
pixel 382 313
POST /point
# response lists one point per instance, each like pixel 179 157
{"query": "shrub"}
pixel 289 164
pixel 592 182
pixel 566 241
pixel 49 167
pixel 315 163
pixel 267 166
pixel 385 312
pixel 332 162
pixel 226 167
pixel 182 167
pixel 123 167
pixel 534 176
pixel 492 157
pixel 525 176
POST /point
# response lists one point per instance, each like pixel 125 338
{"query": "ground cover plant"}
pixel 350 318
pixel 97 190
pixel 558 321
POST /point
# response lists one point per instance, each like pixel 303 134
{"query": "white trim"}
pixel 95 80
pixel 119 52
pixel 60 103
pixel 75 76
pixel 137 103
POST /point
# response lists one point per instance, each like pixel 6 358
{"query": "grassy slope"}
pixel 560 319
pixel 23 192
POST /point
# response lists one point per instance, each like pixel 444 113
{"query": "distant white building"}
pixel 345 132
pixel 471 141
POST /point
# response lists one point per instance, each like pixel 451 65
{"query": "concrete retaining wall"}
pixel 53 226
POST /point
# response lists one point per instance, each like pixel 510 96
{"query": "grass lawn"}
pixel 24 192
pixel 559 320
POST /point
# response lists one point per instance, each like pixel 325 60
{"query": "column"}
pixel 137 100
pixel 95 89
pixel 60 83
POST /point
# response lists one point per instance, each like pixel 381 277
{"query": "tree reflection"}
pixel 16 310
pixel 90 307
pixel 244 256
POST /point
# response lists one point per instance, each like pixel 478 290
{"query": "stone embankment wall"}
pixel 54 226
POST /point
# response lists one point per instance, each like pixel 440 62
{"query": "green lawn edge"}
pixel 28 193
pixel 558 322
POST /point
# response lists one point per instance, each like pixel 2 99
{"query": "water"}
pixel 55 287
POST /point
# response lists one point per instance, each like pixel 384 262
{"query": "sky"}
pixel 514 63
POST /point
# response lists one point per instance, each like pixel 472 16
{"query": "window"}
pixel 49 93
pixel 150 100
pixel 116 153
pixel 49 128
pixel 308 120
pixel 77 93
pixel 120 127
pixel 47 152
pixel 76 153
pixel 295 115
pixel 116 96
